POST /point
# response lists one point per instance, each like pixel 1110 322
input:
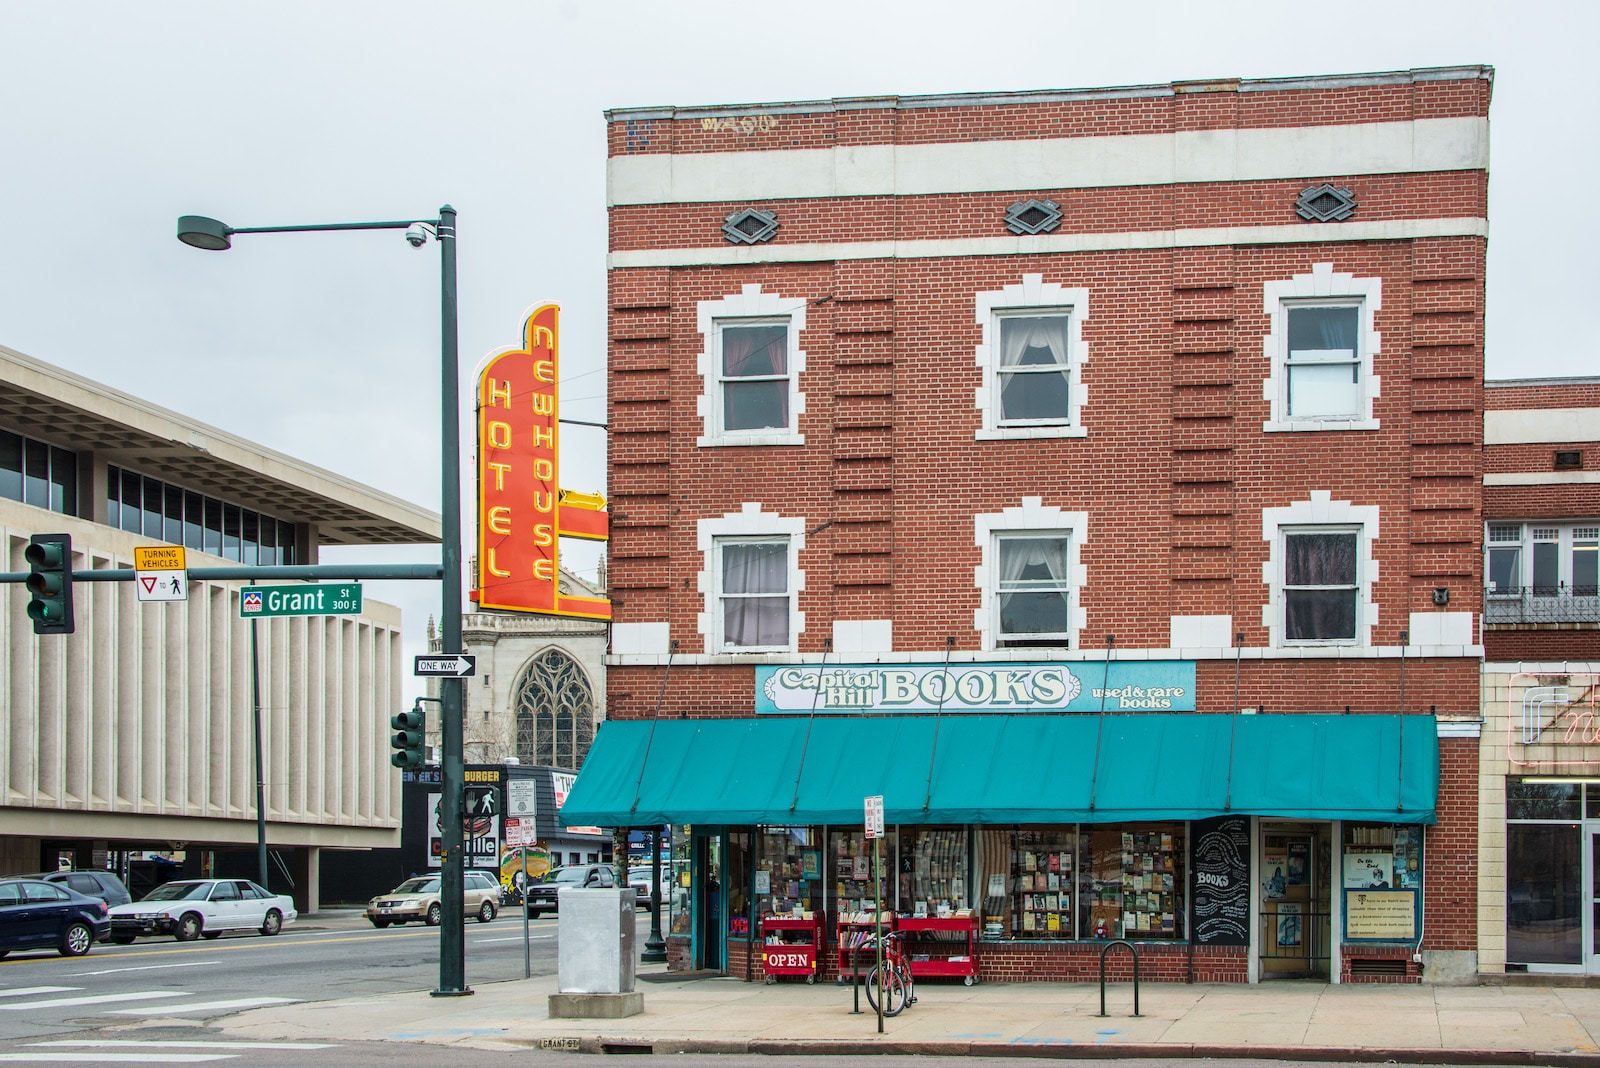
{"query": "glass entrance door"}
pixel 709 901
pixel 1293 933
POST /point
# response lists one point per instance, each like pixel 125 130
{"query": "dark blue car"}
pixel 40 915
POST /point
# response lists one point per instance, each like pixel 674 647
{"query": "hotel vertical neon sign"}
pixel 522 514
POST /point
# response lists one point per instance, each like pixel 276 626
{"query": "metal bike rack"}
pixel 1109 946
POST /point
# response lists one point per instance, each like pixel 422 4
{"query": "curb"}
pixel 603 1044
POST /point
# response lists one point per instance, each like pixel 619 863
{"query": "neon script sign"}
pixel 522 515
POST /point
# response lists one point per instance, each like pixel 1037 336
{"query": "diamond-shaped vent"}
pixel 1033 217
pixel 1325 203
pixel 750 226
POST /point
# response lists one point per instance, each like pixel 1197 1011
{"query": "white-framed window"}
pixel 1321 350
pixel 1320 572
pixel 751 582
pixel 1030 577
pixel 1543 559
pixel 750 366
pixel 1032 356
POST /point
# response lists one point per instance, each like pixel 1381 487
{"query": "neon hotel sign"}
pixel 522 515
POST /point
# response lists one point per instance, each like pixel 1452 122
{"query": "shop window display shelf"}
pixel 944 946
pixel 792 946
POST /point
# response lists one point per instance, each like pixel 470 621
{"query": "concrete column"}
pixel 313 878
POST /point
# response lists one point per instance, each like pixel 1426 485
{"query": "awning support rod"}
pixel 827 647
pixel 938 716
pixel 1100 726
pixel 660 697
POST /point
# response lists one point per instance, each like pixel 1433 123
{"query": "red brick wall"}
pixel 1541 644
pixel 1450 852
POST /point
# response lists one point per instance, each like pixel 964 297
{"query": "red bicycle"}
pixel 897 985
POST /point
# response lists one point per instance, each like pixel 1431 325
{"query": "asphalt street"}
pixel 159 981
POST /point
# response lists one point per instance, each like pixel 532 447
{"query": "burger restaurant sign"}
pixel 1132 686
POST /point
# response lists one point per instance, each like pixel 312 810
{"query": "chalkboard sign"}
pixel 1220 881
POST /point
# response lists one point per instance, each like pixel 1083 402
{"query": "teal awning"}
pixel 1008 769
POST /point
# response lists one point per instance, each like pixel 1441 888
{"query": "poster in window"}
pixel 763 882
pixel 1299 873
pixel 1275 861
pixel 810 864
pixel 1368 870
pixel 1290 923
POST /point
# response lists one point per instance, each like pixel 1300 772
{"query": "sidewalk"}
pixel 1296 1021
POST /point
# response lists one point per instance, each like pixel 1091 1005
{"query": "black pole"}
pixel 452 934
pixel 261 783
pixel 655 947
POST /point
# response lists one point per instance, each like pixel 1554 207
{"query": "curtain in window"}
pixel 749 571
pixel 1323 370
pixel 1033 342
pixel 1320 560
pixel 755 352
pixel 1033 579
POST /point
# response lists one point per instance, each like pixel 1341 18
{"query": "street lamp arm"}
pixel 389 224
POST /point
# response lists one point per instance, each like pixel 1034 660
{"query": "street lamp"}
pixel 213 235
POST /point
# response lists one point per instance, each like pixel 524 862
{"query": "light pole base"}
pixel 654 952
pixel 450 993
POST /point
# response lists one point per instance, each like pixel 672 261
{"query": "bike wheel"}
pixel 894 988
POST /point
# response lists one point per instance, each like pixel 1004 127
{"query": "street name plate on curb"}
pixel 565 1042
pixel 446 667
pixel 301 599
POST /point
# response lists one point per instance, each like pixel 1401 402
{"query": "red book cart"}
pixel 791 946
pixel 857 951
pixel 941 946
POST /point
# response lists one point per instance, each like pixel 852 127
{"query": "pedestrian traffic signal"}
pixel 407 739
pixel 49 583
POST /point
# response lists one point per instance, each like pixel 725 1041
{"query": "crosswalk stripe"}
pixel 104 1043
pixel 166 1008
pixel 28 991
pixel 89 1056
pixel 139 968
pixel 98 999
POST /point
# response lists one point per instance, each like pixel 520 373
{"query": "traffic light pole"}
pixel 452 866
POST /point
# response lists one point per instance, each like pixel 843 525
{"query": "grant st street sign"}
pixel 301 599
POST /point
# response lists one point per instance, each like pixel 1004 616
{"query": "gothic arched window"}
pixel 555 711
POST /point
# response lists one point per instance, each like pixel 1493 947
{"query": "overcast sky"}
pixel 116 118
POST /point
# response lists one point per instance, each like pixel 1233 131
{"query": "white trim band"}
pixel 1544 478
pixel 1307 233
pixel 1228 155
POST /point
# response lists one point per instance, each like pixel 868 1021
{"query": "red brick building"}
pixel 1093 474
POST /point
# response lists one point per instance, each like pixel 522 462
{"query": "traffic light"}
pixel 49 582
pixel 407 739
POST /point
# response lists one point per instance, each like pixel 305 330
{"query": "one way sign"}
pixel 448 667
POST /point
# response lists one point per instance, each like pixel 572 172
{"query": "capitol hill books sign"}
pixel 1130 686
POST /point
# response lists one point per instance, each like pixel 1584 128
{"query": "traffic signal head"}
pixel 407 739
pixel 49 583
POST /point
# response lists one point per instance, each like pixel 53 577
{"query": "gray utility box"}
pixel 597 941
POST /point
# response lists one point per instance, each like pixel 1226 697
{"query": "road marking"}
pixel 25 991
pixel 108 1043
pixel 139 968
pixel 166 1008
pixel 98 999
pixel 88 1056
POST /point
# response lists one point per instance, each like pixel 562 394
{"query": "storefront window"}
pixel 933 871
pixel 850 870
pixel 1041 884
pixel 739 872
pixel 1131 881
pixel 680 915
pixel 1544 918
pixel 788 872
pixel 1543 800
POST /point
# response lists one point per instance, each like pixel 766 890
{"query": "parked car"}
pixel 190 908
pixel 35 914
pixel 90 883
pixel 418 899
pixel 543 895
